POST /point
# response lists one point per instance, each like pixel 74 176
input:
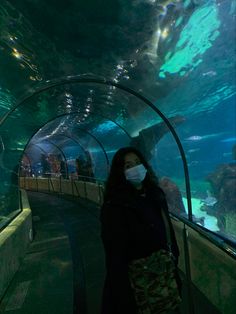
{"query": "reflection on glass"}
pixel 177 53
pixel 209 142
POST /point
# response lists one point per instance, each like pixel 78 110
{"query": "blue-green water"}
pixel 178 54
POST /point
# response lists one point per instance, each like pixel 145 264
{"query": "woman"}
pixel 132 226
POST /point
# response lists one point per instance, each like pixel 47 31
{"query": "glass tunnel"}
pixel 81 79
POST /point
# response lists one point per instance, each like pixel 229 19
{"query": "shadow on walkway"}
pixel 62 272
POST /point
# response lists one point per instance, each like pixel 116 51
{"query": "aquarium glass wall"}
pixel 63 114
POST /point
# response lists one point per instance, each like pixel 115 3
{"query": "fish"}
pixel 209 73
pixel 194 138
pixel 209 200
pixel 227 154
pixel 203 137
pixel 228 140
pixel 193 163
pixel 193 150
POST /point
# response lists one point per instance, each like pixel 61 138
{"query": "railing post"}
pixel 85 190
pixel 189 298
pixel 37 184
pixel 60 190
pixel 72 185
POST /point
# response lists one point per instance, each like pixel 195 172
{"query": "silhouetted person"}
pixel 63 169
pixel 46 168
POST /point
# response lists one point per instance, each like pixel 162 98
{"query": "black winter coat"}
pixel 131 227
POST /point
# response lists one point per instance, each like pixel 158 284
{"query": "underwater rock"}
pixel 223 182
pixel 173 195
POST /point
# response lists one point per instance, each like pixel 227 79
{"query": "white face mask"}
pixel 136 174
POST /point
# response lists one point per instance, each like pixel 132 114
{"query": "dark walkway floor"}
pixel 63 270
pixel 66 256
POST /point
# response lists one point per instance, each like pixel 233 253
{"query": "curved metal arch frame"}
pixel 95 114
pixel 99 143
pixel 28 143
pixel 83 80
pixel 37 144
pixel 34 144
pixel 96 140
pixel 72 139
pixel 76 112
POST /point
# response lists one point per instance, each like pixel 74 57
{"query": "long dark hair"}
pixel 116 182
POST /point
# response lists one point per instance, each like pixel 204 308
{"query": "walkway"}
pixel 66 256
pixel 63 271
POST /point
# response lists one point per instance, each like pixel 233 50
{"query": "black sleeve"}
pixel 114 237
pixel 174 247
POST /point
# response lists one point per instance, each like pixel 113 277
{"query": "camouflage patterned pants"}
pixel 153 282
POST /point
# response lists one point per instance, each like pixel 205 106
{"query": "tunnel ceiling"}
pixel 177 53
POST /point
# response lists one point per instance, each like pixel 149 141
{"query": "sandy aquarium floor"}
pixel 210 222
